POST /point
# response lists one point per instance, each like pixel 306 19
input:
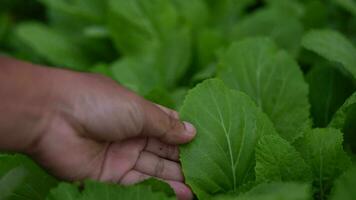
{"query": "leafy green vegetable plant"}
pixel 270 86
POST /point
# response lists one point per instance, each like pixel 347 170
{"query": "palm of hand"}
pixel 74 157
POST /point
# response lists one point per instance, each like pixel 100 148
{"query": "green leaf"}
pixel 274 81
pixel 102 69
pixel 274 191
pixel 329 88
pixel 160 96
pixel 150 190
pixel 10 181
pixel 280 191
pixel 194 12
pixel 349 5
pixel 144 22
pixel 333 46
pixel 158 186
pixel 208 42
pixel 92 11
pixel 51 45
pixel 277 160
pixel 344 187
pixel 285 29
pixel 64 191
pixel 322 149
pixel 135 73
pixel 228 123
pixel 152 28
pixel 315 14
pixel 5 24
pixel 225 13
pixel 339 119
pixel 35 184
pixel 344 119
pixel 178 96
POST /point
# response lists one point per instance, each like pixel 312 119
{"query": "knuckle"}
pixel 159 168
pixel 136 116
pixel 173 123
pixel 171 150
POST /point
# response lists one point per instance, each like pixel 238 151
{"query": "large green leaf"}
pixel 51 45
pixel 322 149
pixel 228 124
pixel 329 88
pixel 333 46
pixel 151 190
pixel 273 79
pixel 285 29
pixel 277 160
pixel 344 188
pixel 35 183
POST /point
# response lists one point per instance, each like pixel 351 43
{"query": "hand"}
pixel 103 131
pixel 87 126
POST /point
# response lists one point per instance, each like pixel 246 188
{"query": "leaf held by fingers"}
pixel 229 125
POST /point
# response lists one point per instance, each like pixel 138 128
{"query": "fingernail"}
pixel 190 129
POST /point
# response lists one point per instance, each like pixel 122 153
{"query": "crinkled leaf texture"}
pixel 277 160
pixel 274 191
pixel 273 79
pixel 26 179
pixel 151 190
pixel 323 151
pixel 344 187
pixel 229 125
pixel 333 46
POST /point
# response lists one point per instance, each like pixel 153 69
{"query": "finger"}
pixel 133 177
pixel 182 191
pixel 151 164
pixel 163 150
pixel 119 157
pixel 169 111
pixel 166 126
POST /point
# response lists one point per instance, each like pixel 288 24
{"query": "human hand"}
pixel 90 127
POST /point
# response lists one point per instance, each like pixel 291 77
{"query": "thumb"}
pixel 164 124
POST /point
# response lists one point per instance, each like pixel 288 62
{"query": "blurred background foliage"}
pixel 161 48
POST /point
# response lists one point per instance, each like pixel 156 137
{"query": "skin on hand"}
pixel 91 127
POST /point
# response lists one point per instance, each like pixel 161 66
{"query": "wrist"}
pixel 28 102
pixel 56 104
